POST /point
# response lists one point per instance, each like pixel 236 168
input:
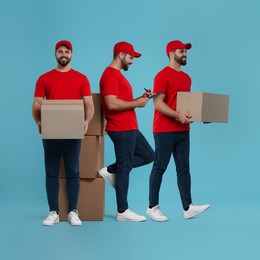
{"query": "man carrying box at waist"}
pixel 171 133
pixel 62 83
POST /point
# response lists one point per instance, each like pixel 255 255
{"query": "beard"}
pixel 63 62
pixel 180 60
pixel 124 64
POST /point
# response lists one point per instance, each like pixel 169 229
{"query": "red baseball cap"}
pixel 173 45
pixel 63 43
pixel 127 48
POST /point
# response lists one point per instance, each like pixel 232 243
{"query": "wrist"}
pixel 135 103
pixel 177 116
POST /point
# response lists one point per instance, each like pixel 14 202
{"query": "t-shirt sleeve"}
pixel 85 90
pixel 39 88
pixel 111 84
pixel 160 83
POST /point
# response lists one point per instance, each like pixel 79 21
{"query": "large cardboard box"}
pixel 91 157
pixel 203 107
pixel 97 124
pixel 91 203
pixel 62 119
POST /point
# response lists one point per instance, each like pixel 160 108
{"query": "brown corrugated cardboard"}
pixel 204 107
pixel 62 119
pixel 97 124
pixel 91 157
pixel 91 203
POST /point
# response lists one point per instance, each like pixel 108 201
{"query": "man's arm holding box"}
pixel 89 111
pixel 36 111
pixel 164 109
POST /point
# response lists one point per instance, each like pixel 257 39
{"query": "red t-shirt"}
pixel 169 82
pixel 113 82
pixel 62 85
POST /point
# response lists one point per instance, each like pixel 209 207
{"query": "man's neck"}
pixel 116 65
pixel 63 69
pixel 175 66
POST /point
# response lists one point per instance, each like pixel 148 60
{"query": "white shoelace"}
pixel 51 215
pixel 75 215
pixel 157 210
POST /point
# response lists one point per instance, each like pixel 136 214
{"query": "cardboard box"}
pixel 97 124
pixel 91 203
pixel 62 119
pixel 91 157
pixel 203 107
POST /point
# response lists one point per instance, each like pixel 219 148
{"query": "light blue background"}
pixel 224 157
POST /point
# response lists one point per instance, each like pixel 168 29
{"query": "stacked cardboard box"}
pixel 92 188
pixel 91 204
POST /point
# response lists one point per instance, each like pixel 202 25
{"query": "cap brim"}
pixel 137 54
pixel 188 46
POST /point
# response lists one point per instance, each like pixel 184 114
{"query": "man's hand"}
pixel 36 112
pixel 184 119
pixel 148 93
pixel 85 127
pixel 141 101
pixel 39 124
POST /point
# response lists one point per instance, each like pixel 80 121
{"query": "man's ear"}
pixel 171 54
pixel 121 55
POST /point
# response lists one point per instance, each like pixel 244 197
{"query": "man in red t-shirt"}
pixel 171 133
pixel 62 83
pixel 131 147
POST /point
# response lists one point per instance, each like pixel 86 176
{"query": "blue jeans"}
pixel 54 150
pixel 178 145
pixel 131 150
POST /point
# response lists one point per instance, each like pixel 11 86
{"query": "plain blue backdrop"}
pixel 224 157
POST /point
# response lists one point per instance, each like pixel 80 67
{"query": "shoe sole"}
pixel 193 215
pixel 130 220
pixel 50 225
pixel 157 220
pixel 75 224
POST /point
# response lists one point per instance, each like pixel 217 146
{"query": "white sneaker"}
pixel 109 177
pixel 73 218
pixel 156 214
pixel 195 210
pixel 129 215
pixel 52 219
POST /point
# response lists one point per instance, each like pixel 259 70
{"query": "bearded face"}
pixel 180 56
pixel 63 60
pixel 126 61
pixel 63 56
pixel 124 64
